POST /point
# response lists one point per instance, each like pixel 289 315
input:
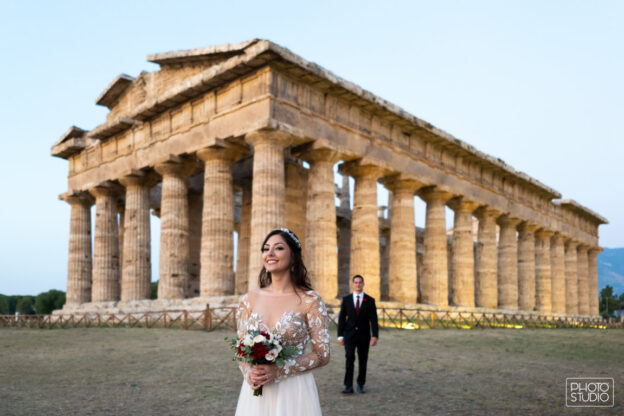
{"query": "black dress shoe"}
pixel 361 389
pixel 348 390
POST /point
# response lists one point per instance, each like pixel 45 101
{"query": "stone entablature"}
pixel 257 97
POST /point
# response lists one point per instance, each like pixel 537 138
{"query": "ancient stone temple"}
pixel 226 143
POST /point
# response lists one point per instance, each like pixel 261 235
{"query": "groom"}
pixel 358 315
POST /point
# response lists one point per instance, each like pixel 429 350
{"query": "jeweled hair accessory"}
pixel 292 235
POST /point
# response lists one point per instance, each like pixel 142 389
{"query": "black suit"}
pixel 356 330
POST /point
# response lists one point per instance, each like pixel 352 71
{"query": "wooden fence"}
pixel 225 317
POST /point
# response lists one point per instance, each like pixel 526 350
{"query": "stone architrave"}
pixel 79 262
pixel 526 266
pixel 268 194
pixel 583 284
pixel 592 273
pixel 321 232
pixel 557 271
pixel 402 275
pixel 136 250
pixel 434 278
pixel 462 282
pixel 543 280
pixel 242 253
pixel 196 205
pixel 106 274
pixel 217 240
pixel 174 227
pixel 571 272
pixel 296 201
pixel 365 256
pixel 508 262
pixel 486 287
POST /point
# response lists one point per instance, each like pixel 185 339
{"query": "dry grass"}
pixel 170 372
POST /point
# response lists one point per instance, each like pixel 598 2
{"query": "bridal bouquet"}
pixel 260 347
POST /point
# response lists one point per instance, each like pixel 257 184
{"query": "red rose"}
pixel 266 335
pixel 258 351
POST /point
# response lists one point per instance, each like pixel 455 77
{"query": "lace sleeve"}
pixel 318 332
pixel 242 318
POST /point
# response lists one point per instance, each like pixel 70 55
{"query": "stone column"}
pixel 526 266
pixel 321 233
pixel 174 228
pixel 217 241
pixel 196 204
pixel 583 284
pixel 462 281
pixel 557 271
pixel 592 266
pixel 434 278
pixel 242 253
pixel 402 277
pixel 79 258
pixel 508 263
pixel 543 282
pixel 571 272
pixel 365 259
pixel 296 201
pixel 486 288
pixel 268 193
pixel 106 285
pixel 121 229
pixel 136 264
pixel 344 253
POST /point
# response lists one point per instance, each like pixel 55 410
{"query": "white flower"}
pixel 248 341
pixel 259 338
pixel 271 355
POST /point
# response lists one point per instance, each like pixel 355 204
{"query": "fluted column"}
pixel 296 201
pixel 434 278
pixel 486 288
pixel 526 266
pixel 121 231
pixel 174 228
pixel 196 204
pixel 557 271
pixel 242 253
pixel 571 272
pixel 583 284
pixel 402 277
pixel 268 194
pixel 592 273
pixel 136 264
pixel 321 233
pixel 508 262
pixel 365 259
pixel 462 281
pixel 79 259
pixel 543 282
pixel 106 284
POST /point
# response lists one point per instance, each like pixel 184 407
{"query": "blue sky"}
pixel 536 83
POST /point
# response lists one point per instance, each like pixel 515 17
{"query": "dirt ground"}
pixel 177 372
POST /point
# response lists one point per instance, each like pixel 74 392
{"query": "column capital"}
pixel 544 233
pixel 486 211
pixel 595 250
pixel 362 168
pixel 177 166
pixel 558 237
pixel 319 150
pixel 461 204
pixel 136 178
pixel 77 197
pixel 571 243
pixel 434 193
pixel 223 150
pixel 508 220
pixel 583 246
pixel 275 137
pixel 528 227
pixel 106 188
pixel 401 182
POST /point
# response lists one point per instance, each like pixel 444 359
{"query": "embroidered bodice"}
pixel 298 325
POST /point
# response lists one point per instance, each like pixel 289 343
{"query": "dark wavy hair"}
pixel 298 272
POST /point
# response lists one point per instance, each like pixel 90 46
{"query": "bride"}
pixel 288 308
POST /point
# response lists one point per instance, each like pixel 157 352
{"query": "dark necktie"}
pixel 357 305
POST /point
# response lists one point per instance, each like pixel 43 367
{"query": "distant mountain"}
pixel 611 269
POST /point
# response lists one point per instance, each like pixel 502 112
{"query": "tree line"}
pixel 41 304
pixel 611 305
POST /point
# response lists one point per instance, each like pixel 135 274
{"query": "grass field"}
pixel 177 372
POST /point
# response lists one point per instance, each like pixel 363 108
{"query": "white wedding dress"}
pixel 294 391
